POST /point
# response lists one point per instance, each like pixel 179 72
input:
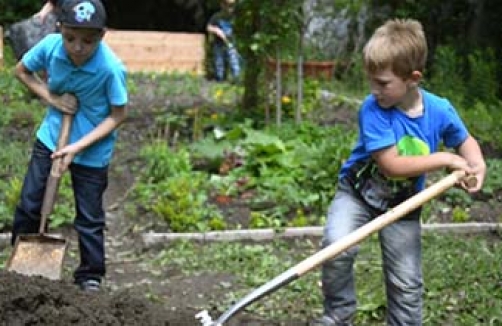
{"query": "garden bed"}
pixel 168 284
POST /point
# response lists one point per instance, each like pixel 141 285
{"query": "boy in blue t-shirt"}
pixel 400 129
pixel 85 80
pixel 221 25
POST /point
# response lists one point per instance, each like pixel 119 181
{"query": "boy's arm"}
pixel 112 122
pixel 471 152
pixel 213 29
pixel 66 103
pixel 46 9
pixel 391 164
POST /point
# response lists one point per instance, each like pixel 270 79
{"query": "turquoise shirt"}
pixel 98 84
pixel 380 128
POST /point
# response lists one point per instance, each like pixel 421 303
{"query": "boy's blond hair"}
pixel 398 44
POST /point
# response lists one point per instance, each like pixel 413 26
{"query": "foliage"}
pixel 296 165
pixel 13 11
pixel 180 202
pixel 493 180
pixel 482 80
pixel 174 193
pixel 162 162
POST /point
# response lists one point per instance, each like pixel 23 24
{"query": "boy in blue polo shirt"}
pixel 400 129
pixel 86 80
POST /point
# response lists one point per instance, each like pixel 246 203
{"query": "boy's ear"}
pixel 416 76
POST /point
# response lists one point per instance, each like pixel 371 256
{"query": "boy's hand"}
pixel 478 174
pixel 66 103
pixel 474 177
pixel 457 162
pixel 65 156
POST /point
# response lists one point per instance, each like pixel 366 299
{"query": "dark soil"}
pixel 133 294
pixel 39 301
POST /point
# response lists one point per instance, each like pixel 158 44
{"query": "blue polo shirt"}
pixel 380 128
pixel 98 84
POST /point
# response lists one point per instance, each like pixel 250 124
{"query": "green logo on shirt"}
pixel 412 146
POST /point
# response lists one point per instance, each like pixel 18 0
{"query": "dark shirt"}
pixel 225 22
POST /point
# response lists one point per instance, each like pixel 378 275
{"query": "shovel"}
pixel 338 247
pixel 43 254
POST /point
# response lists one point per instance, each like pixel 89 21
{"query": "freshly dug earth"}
pixel 38 301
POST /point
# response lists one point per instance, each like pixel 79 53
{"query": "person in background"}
pixel 401 127
pixel 50 6
pixel 221 26
pixel 88 81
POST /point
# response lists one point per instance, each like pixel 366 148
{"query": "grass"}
pixel 463 278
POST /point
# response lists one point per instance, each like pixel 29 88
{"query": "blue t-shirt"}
pixel 98 84
pixel 380 128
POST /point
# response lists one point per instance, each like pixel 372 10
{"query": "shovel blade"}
pixel 38 255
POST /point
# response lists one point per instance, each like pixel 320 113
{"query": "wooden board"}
pixel 158 51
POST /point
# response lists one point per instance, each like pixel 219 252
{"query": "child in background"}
pixel 48 8
pixel 221 26
pixel 401 127
pixel 86 80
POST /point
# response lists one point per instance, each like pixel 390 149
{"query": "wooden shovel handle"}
pixel 344 243
pixel 52 184
pixel 381 221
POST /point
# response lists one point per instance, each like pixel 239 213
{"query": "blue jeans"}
pixel 88 185
pixel 222 54
pixel 400 245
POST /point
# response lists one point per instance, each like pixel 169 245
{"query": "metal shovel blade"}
pixel 41 255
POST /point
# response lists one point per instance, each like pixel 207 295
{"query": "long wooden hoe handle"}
pixel 52 184
pixel 345 243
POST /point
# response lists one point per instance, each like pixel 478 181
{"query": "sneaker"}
pixel 328 321
pixel 90 285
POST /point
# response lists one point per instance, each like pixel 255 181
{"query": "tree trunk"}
pixel 250 100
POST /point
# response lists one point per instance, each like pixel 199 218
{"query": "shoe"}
pixel 90 285
pixel 328 321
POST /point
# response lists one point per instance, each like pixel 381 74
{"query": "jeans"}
pixel 223 53
pixel 88 185
pixel 400 245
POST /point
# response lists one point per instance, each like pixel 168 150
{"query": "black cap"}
pixel 83 14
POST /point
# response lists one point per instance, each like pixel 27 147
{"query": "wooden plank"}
pixel 158 51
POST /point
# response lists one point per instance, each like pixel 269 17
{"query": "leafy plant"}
pixel 162 162
pixel 179 201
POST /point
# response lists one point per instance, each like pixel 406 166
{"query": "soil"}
pixel 132 294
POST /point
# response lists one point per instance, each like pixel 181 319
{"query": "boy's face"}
pixel 389 89
pixel 227 6
pixel 80 43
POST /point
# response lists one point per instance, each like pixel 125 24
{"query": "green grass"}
pixel 462 278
